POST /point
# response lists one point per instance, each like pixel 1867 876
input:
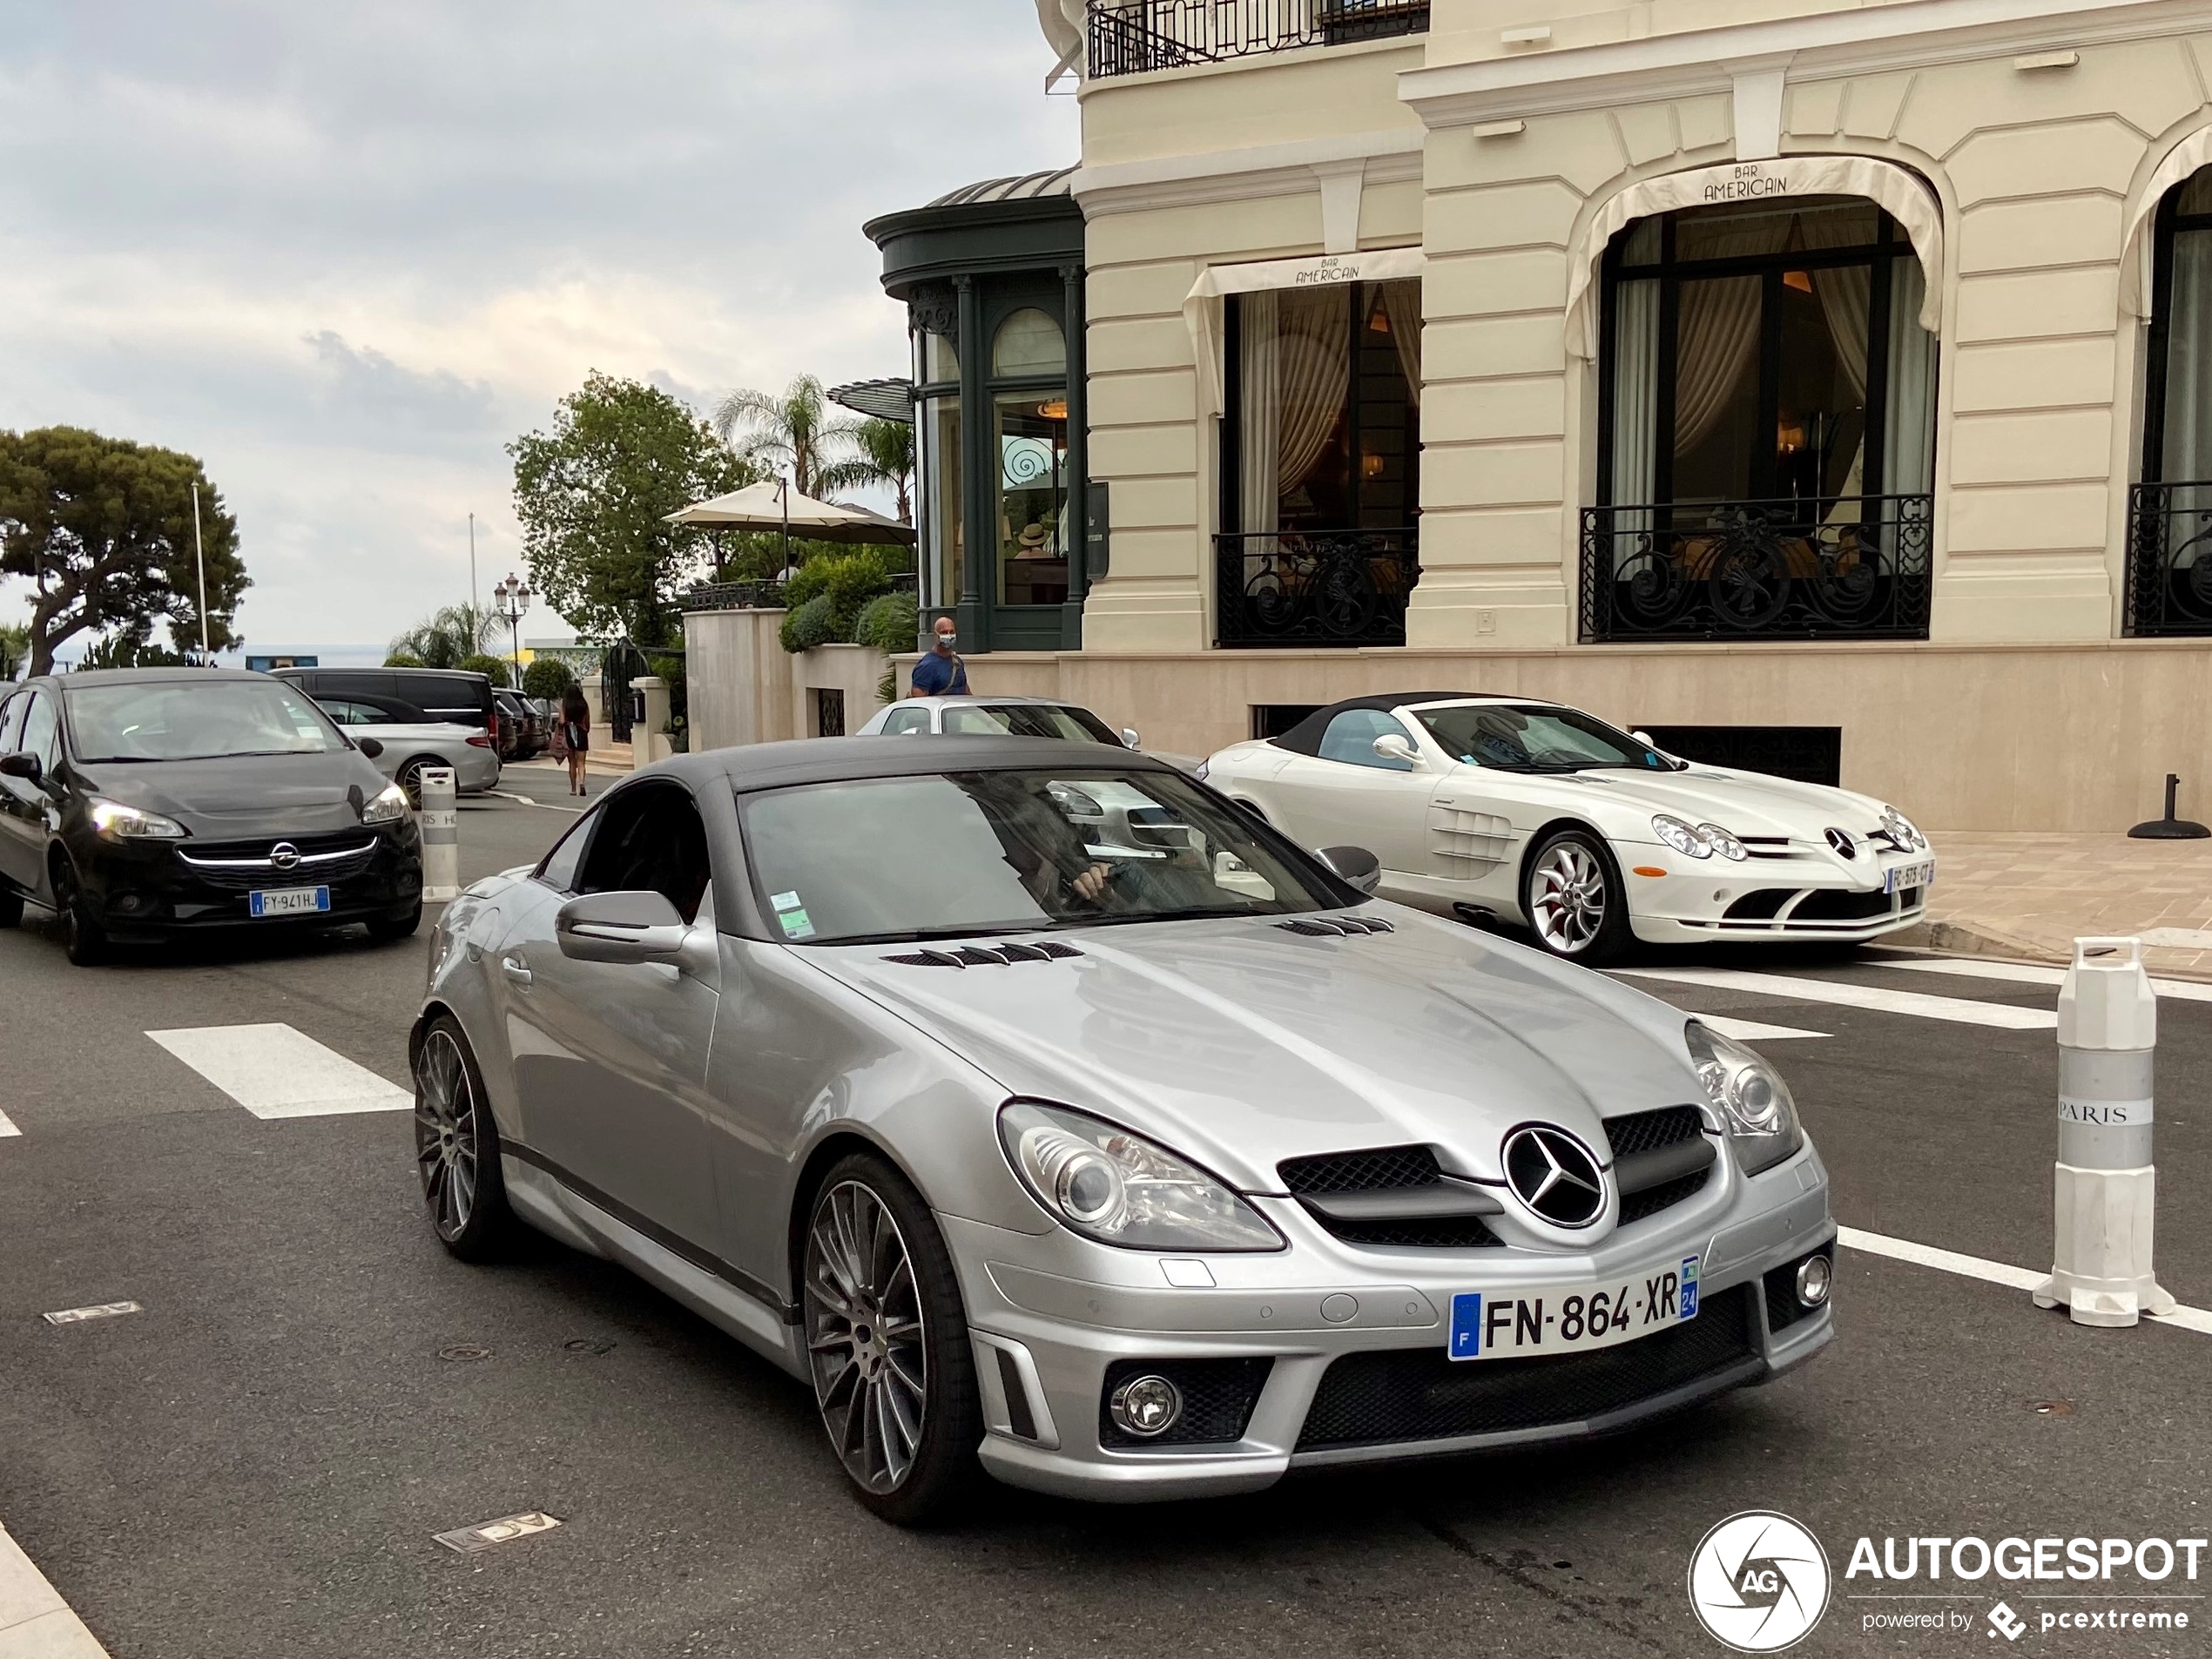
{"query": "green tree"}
pixel 444 637
pixel 883 453
pixel 791 429
pixel 547 677
pixel 15 649
pixel 594 496
pixel 498 670
pixel 102 528
pixel 131 647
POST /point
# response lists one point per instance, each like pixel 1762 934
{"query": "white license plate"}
pixel 1524 1325
pixel 1909 875
pixel 290 901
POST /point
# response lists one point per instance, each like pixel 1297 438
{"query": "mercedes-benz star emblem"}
pixel 1842 841
pixel 284 856
pixel 1555 1176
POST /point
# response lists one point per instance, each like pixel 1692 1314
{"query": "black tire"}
pixel 1573 897
pixel 83 940
pixel 10 908
pixel 865 1340
pixel 386 929
pixel 453 1128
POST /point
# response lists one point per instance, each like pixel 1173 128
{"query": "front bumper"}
pixel 149 890
pixel 1053 1320
pixel 1800 897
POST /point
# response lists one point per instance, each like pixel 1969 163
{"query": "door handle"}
pixel 517 971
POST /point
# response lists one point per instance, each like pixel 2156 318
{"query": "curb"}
pixel 1959 938
pixel 35 1622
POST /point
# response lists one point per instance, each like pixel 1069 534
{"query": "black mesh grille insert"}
pixel 1833 903
pixel 1644 1131
pixel 1441 1232
pixel 1400 1394
pixel 1385 1166
pixel 1635 1206
pixel 1760 905
pixel 1218 1400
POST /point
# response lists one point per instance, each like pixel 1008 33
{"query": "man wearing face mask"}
pixel 941 672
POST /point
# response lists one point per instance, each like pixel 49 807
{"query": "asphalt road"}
pixel 254 1464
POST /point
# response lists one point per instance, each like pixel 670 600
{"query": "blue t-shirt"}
pixel 939 675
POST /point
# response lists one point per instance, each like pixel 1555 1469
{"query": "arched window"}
pixel 1029 342
pixel 2169 586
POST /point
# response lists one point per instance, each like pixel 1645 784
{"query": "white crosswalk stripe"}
pixel 2181 990
pixel 1848 995
pixel 274 1071
pixel 1752 1031
pixel 7 1128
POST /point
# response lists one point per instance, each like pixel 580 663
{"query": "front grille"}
pixel 1763 905
pixel 1834 904
pixel 1218 1400
pixel 1441 1232
pixel 1637 1206
pixel 1385 1166
pixel 1401 1394
pixel 241 866
pixel 1644 1131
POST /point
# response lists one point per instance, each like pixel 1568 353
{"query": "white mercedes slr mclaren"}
pixel 1530 813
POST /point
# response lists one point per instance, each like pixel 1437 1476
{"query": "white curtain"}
pixel 1717 338
pixel 1260 395
pixel 1402 305
pixel 1635 397
pixel 2188 457
pixel 1909 420
pixel 1294 379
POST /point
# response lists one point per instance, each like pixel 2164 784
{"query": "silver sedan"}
pixel 1050 1118
pixel 414 743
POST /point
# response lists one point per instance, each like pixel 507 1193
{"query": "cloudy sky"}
pixel 346 252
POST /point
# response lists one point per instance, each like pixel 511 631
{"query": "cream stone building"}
pixel 1820 387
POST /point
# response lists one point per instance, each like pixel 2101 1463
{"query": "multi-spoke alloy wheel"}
pixel 1571 899
pixel 457 1147
pixel 866 1336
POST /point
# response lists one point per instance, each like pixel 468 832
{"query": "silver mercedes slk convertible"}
pixel 1049 1116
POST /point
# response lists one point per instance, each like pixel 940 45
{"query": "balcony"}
pixel 1314 587
pixel 1132 39
pixel 1854 567
pixel 2169 560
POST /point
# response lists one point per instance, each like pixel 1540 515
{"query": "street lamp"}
pixel 512 599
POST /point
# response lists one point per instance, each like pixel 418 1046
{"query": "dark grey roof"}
pixel 1027 186
pixel 819 760
pixel 1304 737
pixel 152 676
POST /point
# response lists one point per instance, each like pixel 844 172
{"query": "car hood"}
pixel 241 797
pixel 1238 1044
pixel 1748 803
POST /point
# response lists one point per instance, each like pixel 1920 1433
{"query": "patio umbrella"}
pixel 776 506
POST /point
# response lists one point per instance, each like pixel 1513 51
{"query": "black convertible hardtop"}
pixel 824 761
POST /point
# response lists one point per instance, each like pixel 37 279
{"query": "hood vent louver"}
pixel 1336 927
pixel 981 956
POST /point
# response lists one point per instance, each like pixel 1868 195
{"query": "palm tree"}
pixel 445 639
pixel 883 453
pixel 792 430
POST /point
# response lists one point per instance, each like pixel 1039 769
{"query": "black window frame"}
pixel 2168 223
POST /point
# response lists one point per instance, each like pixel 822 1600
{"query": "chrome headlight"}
pixel 1752 1100
pixel 1681 837
pixel 119 823
pixel 1120 1188
pixel 1902 831
pixel 388 806
pixel 1722 843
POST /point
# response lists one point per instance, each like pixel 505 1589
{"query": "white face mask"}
pixel 948 641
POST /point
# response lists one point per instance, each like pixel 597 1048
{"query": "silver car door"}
pixel 610 1058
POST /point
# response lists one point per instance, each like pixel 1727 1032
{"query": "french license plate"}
pixel 289 901
pixel 1902 876
pixel 1524 1325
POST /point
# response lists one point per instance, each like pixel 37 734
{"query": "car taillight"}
pixel 480 741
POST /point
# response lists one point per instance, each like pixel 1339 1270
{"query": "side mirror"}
pixel 22 764
pixel 1391 747
pixel 1129 737
pixel 634 926
pixel 1356 863
pixel 368 746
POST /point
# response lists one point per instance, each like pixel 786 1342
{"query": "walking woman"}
pixel 576 728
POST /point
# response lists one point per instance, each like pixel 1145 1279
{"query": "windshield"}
pixel 1028 720
pixel 964 853
pixel 195 720
pixel 1512 738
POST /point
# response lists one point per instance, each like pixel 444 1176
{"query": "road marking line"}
pixel 98 1310
pixel 2017 1278
pixel 2181 990
pixel 524 800
pixel 35 1622
pixel 1846 995
pixel 274 1071
pixel 1752 1031
pixel 7 1128
pixel 467 1540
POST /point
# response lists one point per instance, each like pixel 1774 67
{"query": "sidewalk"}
pixel 2031 895
pixel 611 759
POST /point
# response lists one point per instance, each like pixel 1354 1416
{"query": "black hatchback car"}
pixel 143 804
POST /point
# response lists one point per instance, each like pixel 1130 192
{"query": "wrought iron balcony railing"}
pixel 1130 36
pixel 1314 587
pixel 1848 566
pixel 2169 559
pixel 732 596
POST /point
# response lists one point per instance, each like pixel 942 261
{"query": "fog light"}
pixel 1145 1407
pixel 1814 1277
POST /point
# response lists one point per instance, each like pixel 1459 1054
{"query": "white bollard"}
pixel 439 822
pixel 2107 1188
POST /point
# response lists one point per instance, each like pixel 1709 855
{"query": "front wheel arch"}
pixel 1617 928
pixel 840 1142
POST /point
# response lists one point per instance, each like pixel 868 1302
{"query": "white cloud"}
pixel 345 253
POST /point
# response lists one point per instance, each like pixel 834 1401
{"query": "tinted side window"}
pixel 650 839
pixel 1351 737
pixel 559 869
pixel 357 683
pixel 41 730
pixel 342 712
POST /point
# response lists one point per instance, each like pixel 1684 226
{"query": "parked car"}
pixel 1001 717
pixel 531 732
pixel 1533 813
pixel 412 742
pixel 1130 1169
pixel 144 804
pixel 442 693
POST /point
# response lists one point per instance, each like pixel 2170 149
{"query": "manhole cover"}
pixel 464 1351
pixel 589 1345
pixel 2051 1407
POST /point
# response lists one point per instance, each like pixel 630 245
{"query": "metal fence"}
pixel 1845 567
pixel 1131 38
pixel 2169 559
pixel 732 596
pixel 1315 587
